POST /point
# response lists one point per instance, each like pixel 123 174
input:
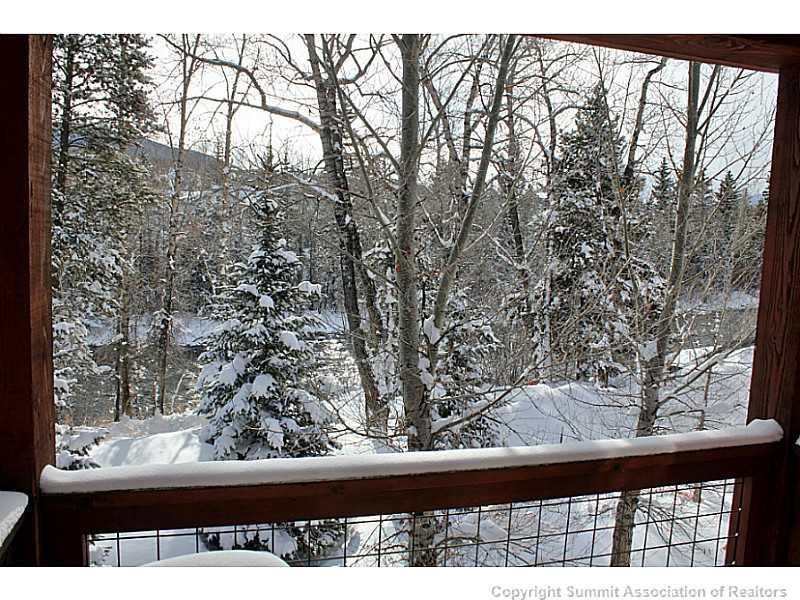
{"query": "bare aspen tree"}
pixel 714 116
pixel 235 89
pixel 510 179
pixel 189 66
pixel 413 389
pixel 653 370
pixel 464 232
pixel 325 76
pixel 633 147
pixel 465 227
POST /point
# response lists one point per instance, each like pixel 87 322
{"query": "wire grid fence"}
pixel 681 525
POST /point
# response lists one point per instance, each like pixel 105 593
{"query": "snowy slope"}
pixel 158 440
pixel 173 447
pixel 533 415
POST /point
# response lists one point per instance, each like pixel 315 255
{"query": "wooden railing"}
pixel 69 514
pixel 7 546
pixel 14 510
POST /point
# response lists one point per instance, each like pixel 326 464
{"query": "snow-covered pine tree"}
pixel 457 388
pixel 578 307
pixel 748 269
pixel 701 254
pixel 727 201
pixel 724 231
pixel 256 366
pixel 660 213
pixel 663 194
pixel 257 361
pixel 460 387
pixel 74 445
pixel 100 106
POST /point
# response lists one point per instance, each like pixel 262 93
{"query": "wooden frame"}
pixel 770 528
pixel 78 515
pixel 757 52
pixel 26 379
pixel 769 524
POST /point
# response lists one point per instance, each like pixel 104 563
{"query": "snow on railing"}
pixel 12 506
pixel 338 468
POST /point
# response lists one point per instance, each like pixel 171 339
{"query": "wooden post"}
pixel 769 524
pixel 26 375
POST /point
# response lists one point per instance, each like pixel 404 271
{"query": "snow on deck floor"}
pixel 12 505
pixel 331 468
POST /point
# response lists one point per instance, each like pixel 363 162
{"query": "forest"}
pixel 309 245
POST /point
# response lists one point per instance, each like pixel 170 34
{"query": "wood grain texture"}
pixel 106 512
pixel 758 52
pixel 769 523
pixel 26 378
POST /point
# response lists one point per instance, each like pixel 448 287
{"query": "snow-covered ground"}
pixel 531 415
pixel 158 440
pixel 190 330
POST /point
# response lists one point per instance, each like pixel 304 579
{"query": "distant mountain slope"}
pixel 159 153
pixel 155 152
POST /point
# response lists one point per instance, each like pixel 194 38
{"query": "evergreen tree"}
pixel 74 445
pixel 602 300
pixel 750 245
pixel 257 361
pixel 100 106
pixel 727 199
pixel 664 193
pixel 661 217
pixel 701 250
pixel 577 313
pixel 759 225
pixel 459 384
pixel 256 365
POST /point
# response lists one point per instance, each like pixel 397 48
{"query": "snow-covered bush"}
pixel 73 445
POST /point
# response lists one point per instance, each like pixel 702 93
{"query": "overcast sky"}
pixel 253 127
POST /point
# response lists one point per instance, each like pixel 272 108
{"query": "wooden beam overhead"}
pixel 758 52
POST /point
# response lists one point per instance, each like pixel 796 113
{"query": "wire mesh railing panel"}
pixel 680 525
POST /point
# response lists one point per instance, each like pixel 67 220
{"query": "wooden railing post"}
pixel 65 526
pixel 769 524
pixel 26 377
pixel 65 546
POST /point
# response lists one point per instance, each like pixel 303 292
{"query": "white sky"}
pixel 253 126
